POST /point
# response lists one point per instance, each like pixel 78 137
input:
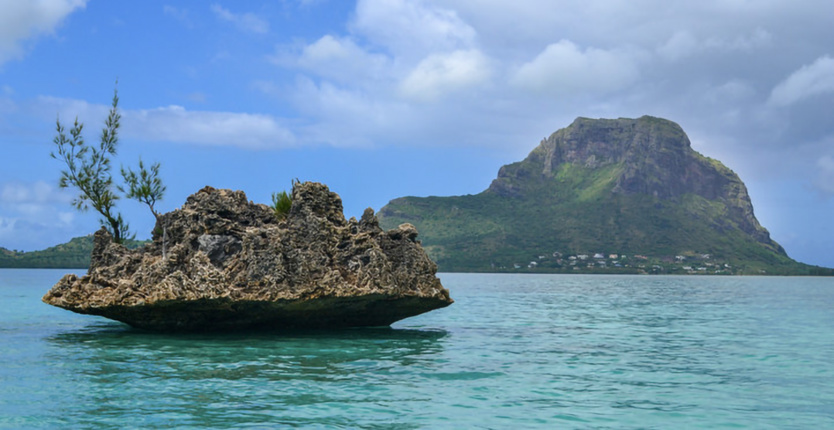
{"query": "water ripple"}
pixel 513 352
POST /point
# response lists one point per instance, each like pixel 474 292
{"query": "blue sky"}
pixel 385 98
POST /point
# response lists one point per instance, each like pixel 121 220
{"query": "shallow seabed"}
pixel 514 351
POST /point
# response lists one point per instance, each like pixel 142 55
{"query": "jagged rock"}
pixel 230 264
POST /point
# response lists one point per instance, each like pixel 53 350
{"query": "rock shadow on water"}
pixel 225 380
pixel 122 352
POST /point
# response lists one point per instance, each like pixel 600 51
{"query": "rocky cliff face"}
pixel 223 263
pixel 654 157
pixel 608 186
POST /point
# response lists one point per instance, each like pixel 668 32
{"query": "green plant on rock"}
pixel 281 204
pixel 144 186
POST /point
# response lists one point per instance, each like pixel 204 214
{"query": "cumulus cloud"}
pixel 22 20
pixel 34 214
pixel 809 81
pixel 339 59
pixel 34 202
pixel 68 109
pixel 441 74
pixel 248 22
pixel 565 69
pixel 14 193
pixel 349 117
pixel 411 27
pixel 179 125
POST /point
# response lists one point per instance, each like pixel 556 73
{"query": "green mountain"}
pixel 74 254
pixel 631 191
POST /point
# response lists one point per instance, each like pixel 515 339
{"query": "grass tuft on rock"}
pixel 281 204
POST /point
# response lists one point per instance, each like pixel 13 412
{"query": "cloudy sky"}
pixel 385 98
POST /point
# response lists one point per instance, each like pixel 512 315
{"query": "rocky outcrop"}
pixel 224 263
pixel 656 159
pixel 622 186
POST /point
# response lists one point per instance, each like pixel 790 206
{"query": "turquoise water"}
pixel 514 351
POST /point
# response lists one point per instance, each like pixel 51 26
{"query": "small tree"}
pixel 89 171
pixel 144 186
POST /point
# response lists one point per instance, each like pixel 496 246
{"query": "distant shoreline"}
pixel 75 254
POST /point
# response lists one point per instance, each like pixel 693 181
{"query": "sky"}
pixel 381 99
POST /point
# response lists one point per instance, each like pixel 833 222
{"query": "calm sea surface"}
pixel 515 351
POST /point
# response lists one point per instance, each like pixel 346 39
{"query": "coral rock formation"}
pixel 223 263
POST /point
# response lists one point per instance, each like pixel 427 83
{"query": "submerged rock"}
pixel 224 263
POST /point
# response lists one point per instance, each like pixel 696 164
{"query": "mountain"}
pixel 74 254
pixel 631 192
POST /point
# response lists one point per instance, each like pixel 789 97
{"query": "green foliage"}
pixel 281 204
pixel 74 254
pixel 575 211
pixel 144 186
pixel 88 170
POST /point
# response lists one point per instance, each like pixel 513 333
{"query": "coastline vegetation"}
pixel 74 254
pixel 487 232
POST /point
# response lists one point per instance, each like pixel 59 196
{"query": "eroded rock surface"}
pixel 224 263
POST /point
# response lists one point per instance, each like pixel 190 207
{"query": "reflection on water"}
pixel 209 379
pixel 117 344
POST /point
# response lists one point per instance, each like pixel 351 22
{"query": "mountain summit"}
pixel 631 187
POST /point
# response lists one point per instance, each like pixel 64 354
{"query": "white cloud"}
pixel 37 192
pixel 440 74
pixel 68 110
pixel 339 59
pixel 248 21
pixel 411 27
pixel 349 117
pixel 34 200
pixel 563 69
pixel 809 81
pixel 21 20
pixel 179 125
pixel 34 214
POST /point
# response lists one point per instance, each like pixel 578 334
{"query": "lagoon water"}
pixel 515 351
